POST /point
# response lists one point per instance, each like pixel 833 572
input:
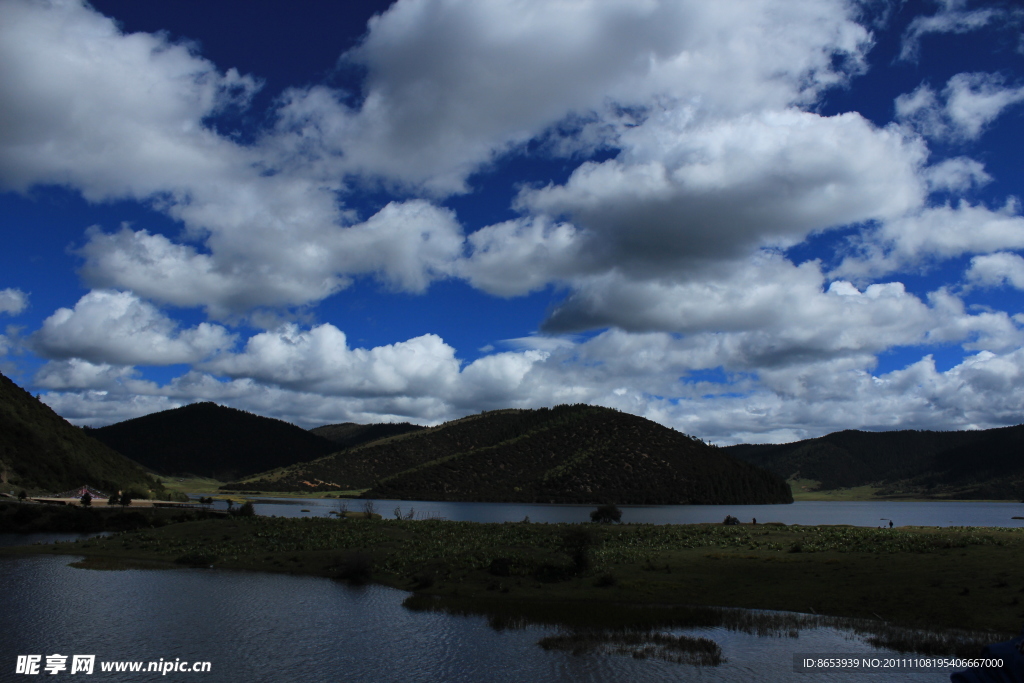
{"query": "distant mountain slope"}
pixel 40 449
pixel 566 454
pixel 966 464
pixel 349 434
pixel 208 440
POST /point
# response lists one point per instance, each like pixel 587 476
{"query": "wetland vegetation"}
pixel 897 580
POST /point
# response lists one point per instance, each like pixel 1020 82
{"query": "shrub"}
pixel 606 514
pixel 423 580
pixel 500 566
pixel 552 573
pixel 136 494
pixel 356 568
pixel 576 542
pixel 247 510
pixel 197 559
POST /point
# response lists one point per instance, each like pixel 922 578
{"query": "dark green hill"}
pixel 41 450
pixel 349 434
pixel 967 464
pixel 208 440
pixel 566 454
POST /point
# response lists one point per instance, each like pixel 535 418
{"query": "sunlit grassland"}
pixel 211 487
pixel 920 577
pixel 249 493
pixel 809 490
pixel 191 485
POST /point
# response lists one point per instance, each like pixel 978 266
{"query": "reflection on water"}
pixel 262 627
pixel 855 513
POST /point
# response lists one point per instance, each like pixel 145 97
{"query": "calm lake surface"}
pixel 263 627
pixel 856 513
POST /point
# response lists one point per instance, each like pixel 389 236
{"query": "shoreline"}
pixel 803 498
pixel 199 486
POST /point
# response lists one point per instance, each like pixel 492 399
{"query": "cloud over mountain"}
pixel 741 233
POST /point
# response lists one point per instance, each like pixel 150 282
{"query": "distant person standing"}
pixel 890 523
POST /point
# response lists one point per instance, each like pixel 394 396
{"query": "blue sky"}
pixel 748 220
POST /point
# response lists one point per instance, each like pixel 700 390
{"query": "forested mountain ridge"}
pixel 564 454
pixel 209 440
pixel 349 434
pixel 963 464
pixel 40 450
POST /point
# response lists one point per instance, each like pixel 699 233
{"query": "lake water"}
pixel 264 627
pixel 856 513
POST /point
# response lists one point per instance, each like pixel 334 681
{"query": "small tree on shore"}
pixel 22 496
pixel 369 509
pixel 114 499
pixel 126 499
pixel 606 514
pixel 86 499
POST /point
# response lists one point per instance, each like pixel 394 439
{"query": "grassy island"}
pixel 916 577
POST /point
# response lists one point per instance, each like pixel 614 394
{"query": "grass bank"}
pixel 21 518
pixel 809 489
pixel 967 578
pixel 212 487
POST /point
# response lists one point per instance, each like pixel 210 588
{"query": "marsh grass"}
pixel 681 649
pixel 935 643
pixel 590 625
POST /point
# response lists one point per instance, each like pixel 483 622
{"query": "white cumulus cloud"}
pixel 118 328
pixel 12 301
pixel 453 83
pixel 997 270
pixel 969 102
pixel 934 234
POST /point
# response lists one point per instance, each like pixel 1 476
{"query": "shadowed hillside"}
pixel 41 450
pixel 349 434
pixel 967 464
pixel 208 440
pixel 567 454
